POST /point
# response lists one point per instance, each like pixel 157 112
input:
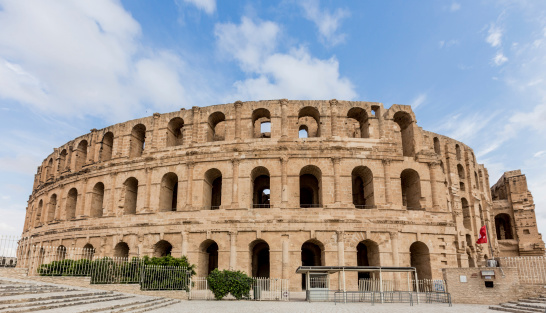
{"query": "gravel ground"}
pixel 316 307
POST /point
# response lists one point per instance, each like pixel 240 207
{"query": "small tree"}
pixel 235 282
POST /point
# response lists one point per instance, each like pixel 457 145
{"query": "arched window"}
pixel 208 257
pixel 61 253
pixel 168 195
pixel 357 123
pixel 477 181
pixel 138 141
pixel 310 187
pixel 51 208
pixel 162 248
pixel 261 192
pixel 437 146
pixel 309 117
pixel 367 254
pixel 212 193
pixel 62 161
pixel 88 252
pixel 97 199
pixel 71 202
pixel 420 259
pixel 131 194
pixel 411 189
pixel 363 193
pixel 107 145
pixel 175 132
pixel 81 155
pixel 216 127
pixel 49 171
pixel 261 123
pixel 311 255
pixel 503 226
pixel 467 218
pixel 121 250
pixel 260 259
pixel 458 152
pixel 303 132
pixel 405 122
pixel 460 171
pixel 38 218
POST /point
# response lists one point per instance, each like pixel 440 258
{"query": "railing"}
pixel 270 289
pixel 8 250
pixel 374 297
pixel 159 277
pixel 421 285
pixel 199 289
pixel 531 269
pixel 116 271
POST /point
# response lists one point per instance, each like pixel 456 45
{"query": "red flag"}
pixel 482 238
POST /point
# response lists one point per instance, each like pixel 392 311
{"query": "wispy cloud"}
pixel 327 22
pixel 448 43
pixel 208 6
pixel 455 6
pixel 499 59
pixel 494 37
pixel 418 101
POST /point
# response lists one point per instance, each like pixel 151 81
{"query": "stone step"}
pixel 127 307
pixel 505 309
pixel 155 307
pixel 33 291
pixel 539 299
pixel 517 306
pixel 531 305
pixel 19 299
pixel 55 301
pixel 65 305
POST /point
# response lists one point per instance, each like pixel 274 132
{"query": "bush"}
pixel 237 283
pixel 170 261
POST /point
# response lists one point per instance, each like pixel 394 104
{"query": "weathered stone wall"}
pixel 408 195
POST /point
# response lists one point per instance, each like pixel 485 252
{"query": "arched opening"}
pixel 49 170
pixel 216 127
pixel 162 248
pixel 107 145
pixel 209 257
pixel 261 192
pixel 168 195
pixel 38 217
pixel 362 183
pixel 420 259
pixel 310 187
pixel 121 250
pixel 261 123
pixel 411 189
pixel 175 132
pixel 503 226
pixel 460 171
pixel 62 161
pixel 260 259
pixel 311 255
pixel 81 155
pixel 357 122
pixel 71 202
pixel 458 152
pixel 467 218
pixel 303 132
pixel 367 254
pixel 61 253
pixel 212 193
pixel 138 141
pixel 476 180
pixel 461 186
pixel 51 208
pixel 437 149
pixel 131 194
pixel 405 122
pixel 310 117
pixel 88 252
pixel 97 200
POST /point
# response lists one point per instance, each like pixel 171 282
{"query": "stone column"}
pixel 284 181
pixel 233 250
pixel 155 133
pixel 379 115
pixel 184 248
pixel 189 197
pixel 235 185
pixel 195 124
pixel 340 248
pixel 284 118
pixel 394 244
pixel 387 180
pixel 238 105
pixel 337 187
pixel 333 115
pixel 91 147
pixel 285 257
pixel 432 169
pixel 113 185
pixel 148 188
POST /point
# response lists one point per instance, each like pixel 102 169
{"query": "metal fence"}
pixel 8 250
pixel 270 289
pixel 58 261
pixel 160 277
pixel 531 269
pixel 116 271
pixel 421 285
pixel 199 289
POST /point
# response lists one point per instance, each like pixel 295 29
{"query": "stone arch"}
pixel 261 188
pixel 71 202
pixel 175 132
pixel 107 146
pixel 467 218
pixel 88 251
pixel 310 117
pixel 138 141
pixel 208 257
pixel 97 200
pixel 477 180
pixel 62 161
pixel 405 122
pixel 312 254
pixel 367 254
pixel 81 155
pixel 212 189
pixel 121 250
pixel 261 119
pixel 420 259
pixel 52 205
pixel 216 127
pixel 458 152
pixel 460 172
pixel 437 149
pixel 162 248
pixel 310 187
pixel 38 217
pixel 503 226
pixel 131 195
pixel 303 131
pixel 168 195
pixel 362 186
pixel 259 256
pixel 411 189
pixel 357 122
pixel 60 254
pixel 49 170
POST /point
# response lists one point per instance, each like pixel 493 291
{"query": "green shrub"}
pixel 237 283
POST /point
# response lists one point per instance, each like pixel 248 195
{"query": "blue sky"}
pixel 473 70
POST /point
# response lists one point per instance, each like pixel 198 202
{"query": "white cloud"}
pixel 274 75
pixel 326 22
pixel 539 154
pixel 418 101
pixel 455 6
pixel 209 6
pixel 494 37
pixel 499 58
pixel 448 43
pixel 534 119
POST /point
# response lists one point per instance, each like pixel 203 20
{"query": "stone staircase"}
pixel 533 304
pixel 26 296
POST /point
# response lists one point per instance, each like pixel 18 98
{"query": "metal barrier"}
pixel 116 271
pixel 199 289
pixel 373 297
pixel 159 277
pixel 8 250
pixel 272 289
pixel 421 285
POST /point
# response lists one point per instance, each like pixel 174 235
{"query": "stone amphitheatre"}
pixel 267 186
